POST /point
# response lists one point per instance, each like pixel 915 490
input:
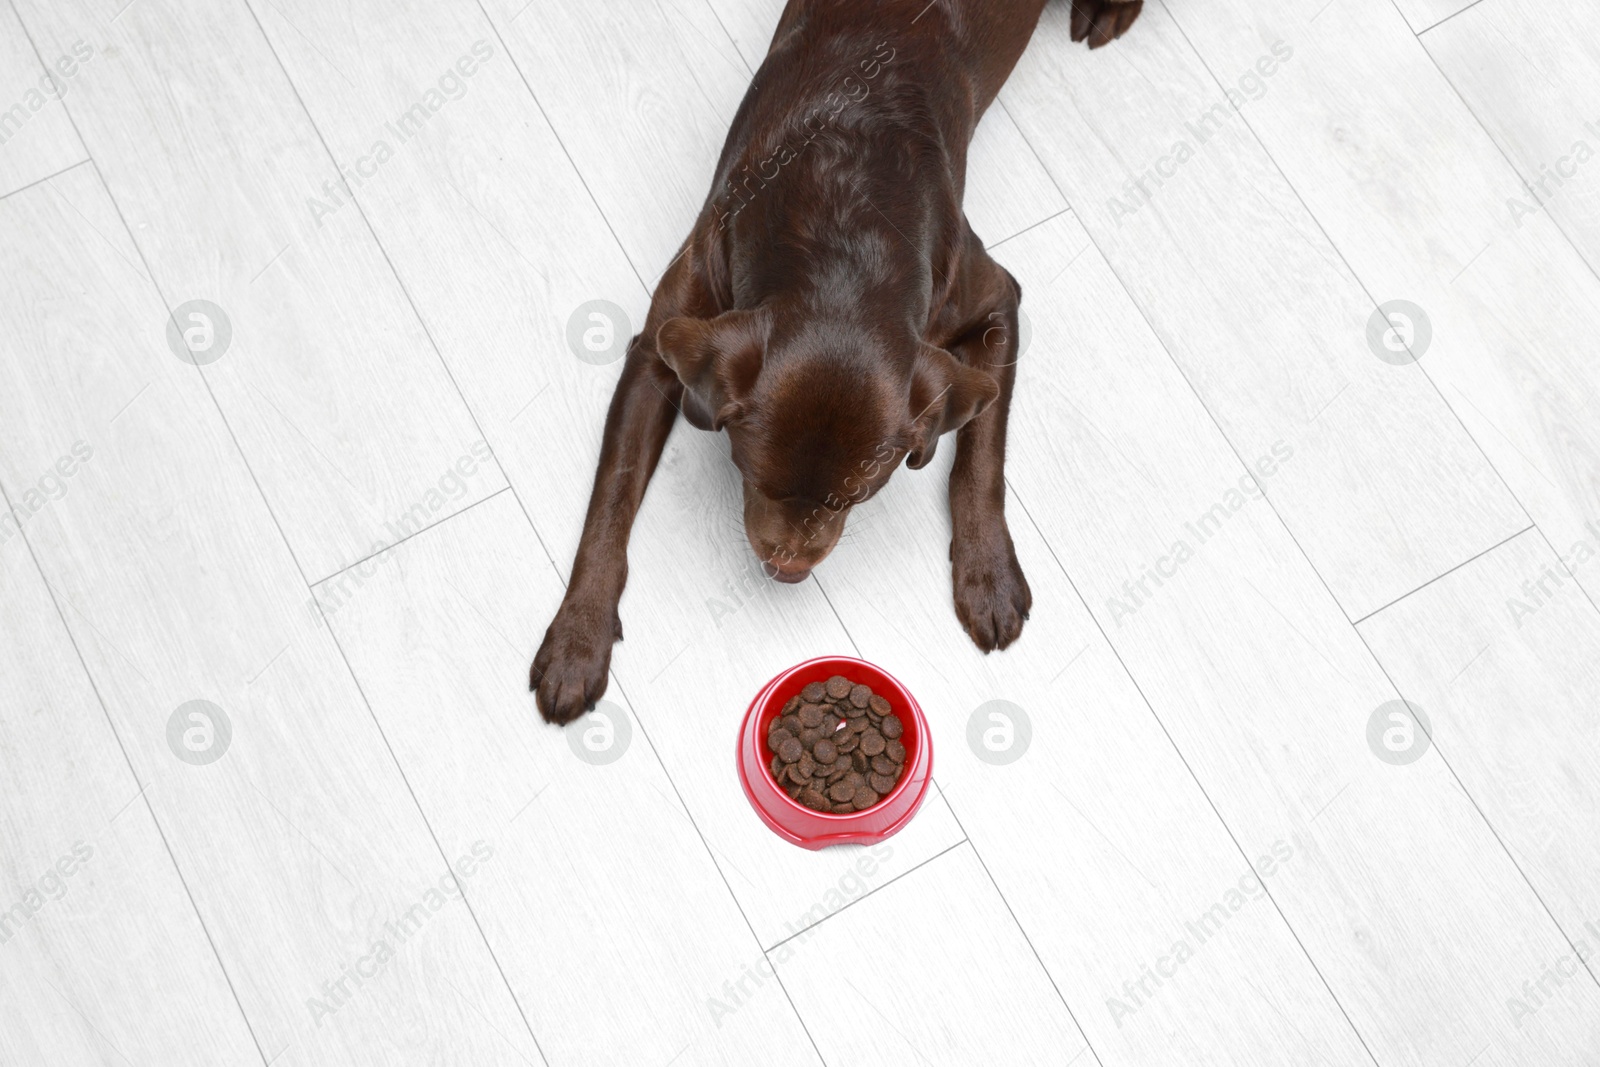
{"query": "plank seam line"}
pixel 41 181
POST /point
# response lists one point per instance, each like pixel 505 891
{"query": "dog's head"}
pixel 819 414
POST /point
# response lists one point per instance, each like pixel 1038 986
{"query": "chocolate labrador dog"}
pixel 833 311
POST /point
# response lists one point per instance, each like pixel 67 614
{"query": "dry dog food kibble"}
pixel 835 747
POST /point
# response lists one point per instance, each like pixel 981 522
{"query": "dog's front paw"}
pixel 569 670
pixel 1102 21
pixel 992 596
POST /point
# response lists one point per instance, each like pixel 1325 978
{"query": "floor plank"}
pixel 1504 656
pixel 645 127
pixel 1137 858
pixel 299 838
pixel 1385 490
pixel 433 637
pixel 338 399
pixel 488 226
pixel 36 136
pixel 1412 191
pixel 102 957
pixel 961 985
pixel 749 24
pixel 1545 113
pixel 1267 691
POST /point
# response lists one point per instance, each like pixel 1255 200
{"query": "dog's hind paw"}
pixel 992 596
pixel 1102 21
pixel 569 671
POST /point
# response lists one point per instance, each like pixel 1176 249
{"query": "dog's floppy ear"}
pixel 717 360
pixel 945 395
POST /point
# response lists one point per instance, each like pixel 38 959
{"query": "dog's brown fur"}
pixel 833 311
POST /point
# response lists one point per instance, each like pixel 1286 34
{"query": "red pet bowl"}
pixel 798 824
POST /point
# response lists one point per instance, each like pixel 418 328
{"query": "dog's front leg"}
pixel 569 671
pixel 991 595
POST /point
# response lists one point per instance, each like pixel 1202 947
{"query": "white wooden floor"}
pixel 1253 522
